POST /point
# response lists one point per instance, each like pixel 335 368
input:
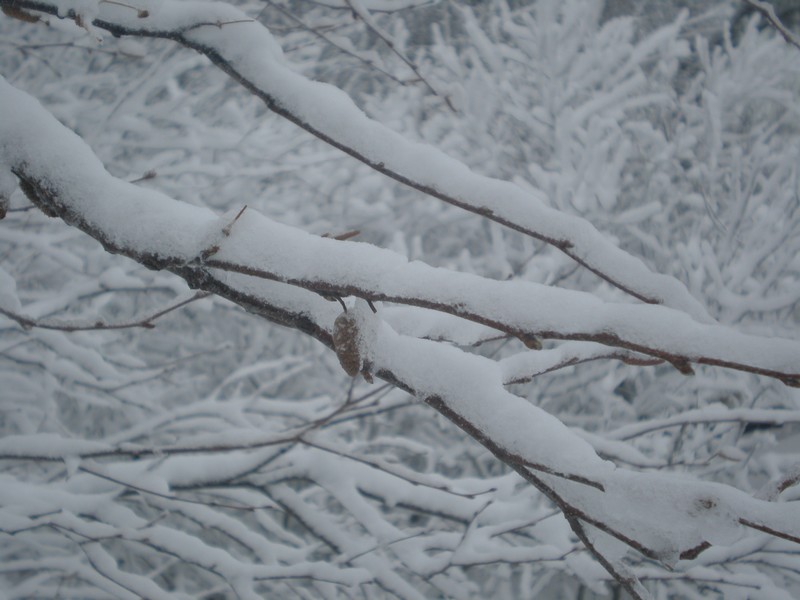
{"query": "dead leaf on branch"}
pixel 348 341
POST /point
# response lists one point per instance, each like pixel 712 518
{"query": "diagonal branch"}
pixel 145 322
pixel 766 9
pixel 329 40
pixel 618 571
pixel 362 11
pixel 251 56
pixel 86 196
pixel 61 175
pixel 520 308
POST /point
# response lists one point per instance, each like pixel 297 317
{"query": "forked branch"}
pixel 342 125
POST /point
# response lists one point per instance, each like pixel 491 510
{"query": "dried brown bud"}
pixel 18 13
pixel 345 342
pixel 531 342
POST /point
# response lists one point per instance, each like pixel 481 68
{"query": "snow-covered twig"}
pixel 144 322
pixel 62 176
pixel 360 9
pixel 773 489
pixel 259 250
pixel 766 9
pixel 524 367
pixel 329 40
pixel 706 415
pixel 384 6
pixel 252 57
pixel 661 517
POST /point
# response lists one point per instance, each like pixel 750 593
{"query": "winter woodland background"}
pixel 207 452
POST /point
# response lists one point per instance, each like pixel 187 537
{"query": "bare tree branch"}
pixel 766 9
pixel 143 322
pixel 329 40
pixel 363 12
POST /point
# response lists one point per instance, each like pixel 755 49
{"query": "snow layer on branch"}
pixel 129 216
pixel 146 223
pixel 472 387
pixel 643 506
pixel 8 184
pixel 671 513
pixel 294 256
pixel 248 50
pixel 437 326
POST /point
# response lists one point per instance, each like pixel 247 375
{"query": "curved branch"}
pixel 525 367
pixel 252 57
pixel 63 177
pixel 523 309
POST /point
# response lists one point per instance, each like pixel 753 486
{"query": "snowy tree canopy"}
pixel 572 238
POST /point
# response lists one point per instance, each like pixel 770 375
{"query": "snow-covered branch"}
pixel 768 10
pixel 219 455
pixel 146 322
pixel 60 174
pixel 142 225
pixel 247 52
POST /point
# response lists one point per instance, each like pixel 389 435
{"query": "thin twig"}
pixel 147 175
pixel 568 246
pixel 766 529
pixel 618 571
pixel 392 471
pixel 172 498
pixel 144 322
pixel 363 13
pixel 333 43
pixel 766 9
pixel 385 10
pixel 629 358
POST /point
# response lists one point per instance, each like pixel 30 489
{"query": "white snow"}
pixel 251 51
